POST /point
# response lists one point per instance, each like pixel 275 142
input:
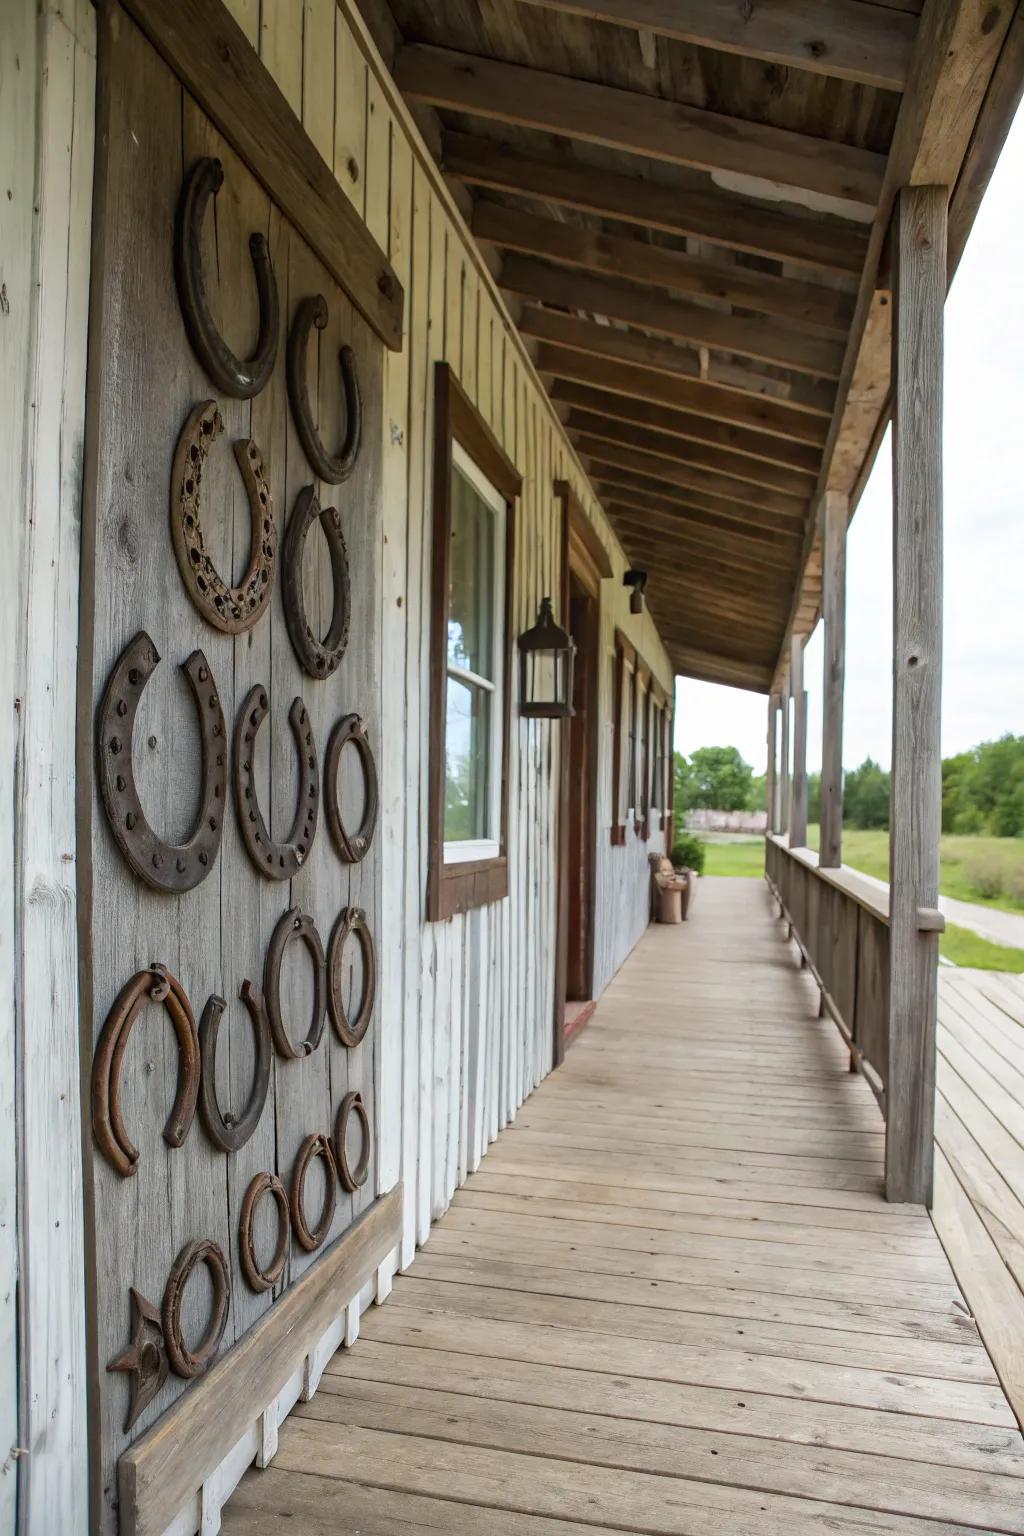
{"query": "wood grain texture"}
pixel 213 57
pixel 835 517
pixel 915 817
pixel 646 125
pixel 798 789
pixel 570 1334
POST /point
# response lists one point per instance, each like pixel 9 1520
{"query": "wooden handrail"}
pixel 872 896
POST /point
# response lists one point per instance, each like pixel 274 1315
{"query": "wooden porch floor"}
pixel 672 1300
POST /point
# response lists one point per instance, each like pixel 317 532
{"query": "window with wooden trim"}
pixel 624 738
pixel 643 763
pixel 641 744
pixel 475 490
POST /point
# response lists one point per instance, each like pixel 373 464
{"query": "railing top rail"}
pixel 872 896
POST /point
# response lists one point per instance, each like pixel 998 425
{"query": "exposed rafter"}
pixel 757 446
pixel 618 256
pixel 717 493
pixel 666 509
pixel 696 395
pixel 767 341
pixel 717 217
pixel 844 38
pixel 644 125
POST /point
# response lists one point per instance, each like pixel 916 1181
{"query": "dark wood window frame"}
pixel 636 768
pixel 459 886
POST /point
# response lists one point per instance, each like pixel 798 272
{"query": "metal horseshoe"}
pixel 350 920
pixel 153 985
pixel 332 468
pixel 193 1362
pixel 225 1130
pixel 294 925
pixel 352 1178
pixel 313 1147
pixel 173 867
pixel 256 1278
pixel 317 657
pixel 277 861
pixel 351 846
pixel 242 380
pixel 232 610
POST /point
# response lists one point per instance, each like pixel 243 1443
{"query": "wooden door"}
pixel 214 933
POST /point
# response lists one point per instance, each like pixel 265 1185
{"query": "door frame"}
pixel 584 555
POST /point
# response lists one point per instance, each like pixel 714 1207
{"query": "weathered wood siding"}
pixel 466 1028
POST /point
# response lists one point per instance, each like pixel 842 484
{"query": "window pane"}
pixel 472 570
pixel 467 753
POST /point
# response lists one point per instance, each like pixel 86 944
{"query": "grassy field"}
pixel 970 868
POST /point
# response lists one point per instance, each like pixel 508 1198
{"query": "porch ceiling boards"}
pixel 685 205
pixel 673 1299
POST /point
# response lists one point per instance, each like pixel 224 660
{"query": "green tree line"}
pixel 982 790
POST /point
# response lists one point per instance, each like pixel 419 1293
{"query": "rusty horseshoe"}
pixel 313 1147
pixel 276 861
pixel 351 846
pixel 153 985
pixel 193 1362
pixel 224 1129
pixel 256 1278
pixel 294 925
pixel 317 657
pixel 232 610
pixel 330 467
pixel 350 920
pixel 241 380
pixel 165 866
pixel 352 1178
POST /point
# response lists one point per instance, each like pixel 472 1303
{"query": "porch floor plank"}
pixel 663 1307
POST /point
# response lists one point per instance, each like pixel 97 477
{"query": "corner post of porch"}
pixel 798 791
pixel 835 517
pixel 771 783
pixel 919 259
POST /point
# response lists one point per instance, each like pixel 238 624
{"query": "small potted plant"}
pixel 688 859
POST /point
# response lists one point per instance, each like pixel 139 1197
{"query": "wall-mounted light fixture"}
pixel 546 656
pixel 637 580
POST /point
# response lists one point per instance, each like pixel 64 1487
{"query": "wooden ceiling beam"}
pixel 697 395
pixel 720 543
pixel 794 389
pixel 721 218
pixel 713 493
pixel 674 568
pixel 708 667
pixel 575 245
pixel 681 451
pixel 767 341
pixel 758 447
pixel 678 631
pixel 845 38
pixel 640 124
pixel 652 498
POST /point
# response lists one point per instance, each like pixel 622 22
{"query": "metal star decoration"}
pixel 145 1359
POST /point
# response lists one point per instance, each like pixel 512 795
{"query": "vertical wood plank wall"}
pixel 466 1025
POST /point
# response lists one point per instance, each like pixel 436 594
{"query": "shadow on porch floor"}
pixel 672 1300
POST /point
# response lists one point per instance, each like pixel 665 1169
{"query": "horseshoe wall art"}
pixel 153 985
pixel 316 1146
pixel 276 861
pixel 226 1130
pixel 229 609
pixel 352 1178
pixel 350 920
pixel 317 657
pixel 351 846
pixel 173 867
pixel 294 926
pixel 193 1362
pixel 256 1278
pixel 334 468
pixel 240 379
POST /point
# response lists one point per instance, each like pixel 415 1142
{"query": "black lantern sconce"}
pixel 546 656
pixel 637 580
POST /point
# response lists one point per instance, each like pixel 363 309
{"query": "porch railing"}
pixel 840 920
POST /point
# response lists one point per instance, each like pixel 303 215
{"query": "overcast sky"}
pixel 983 668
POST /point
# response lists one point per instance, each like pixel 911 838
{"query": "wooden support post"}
pixel 771 782
pixel 798 791
pixel 782 818
pixel 919 259
pixel 835 519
